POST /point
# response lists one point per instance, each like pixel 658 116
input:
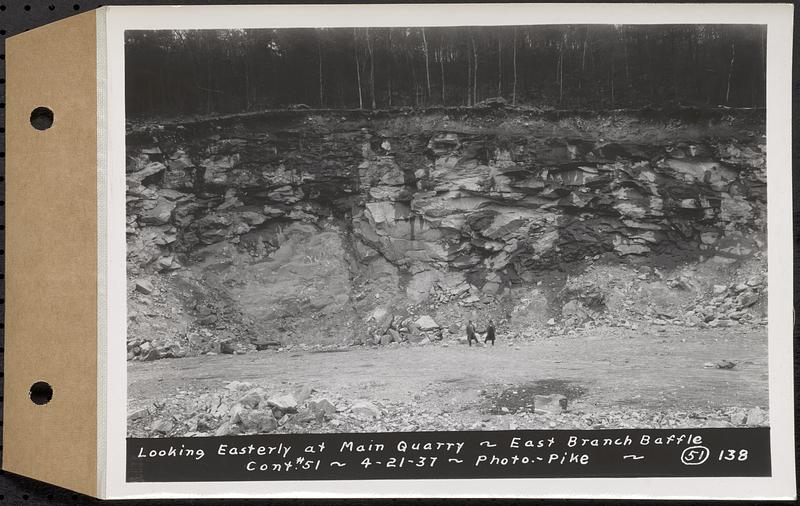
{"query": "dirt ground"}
pixel 656 368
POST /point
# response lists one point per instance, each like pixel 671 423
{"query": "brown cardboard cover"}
pixel 51 255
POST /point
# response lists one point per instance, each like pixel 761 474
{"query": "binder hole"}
pixel 41 393
pixel 42 118
pixel 76 7
pixel 27 7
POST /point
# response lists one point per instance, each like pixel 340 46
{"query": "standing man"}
pixel 471 333
pixel 489 332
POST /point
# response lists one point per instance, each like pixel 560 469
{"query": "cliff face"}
pixel 343 216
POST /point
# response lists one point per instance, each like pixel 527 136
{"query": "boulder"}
pixel 150 354
pixel 322 407
pixel 739 418
pixel 227 429
pixel 552 404
pixel 302 393
pixel 287 403
pixel 266 345
pixel 365 410
pixel 160 214
pixel 162 426
pixel 747 299
pixel 425 323
pixel 252 398
pixel 235 413
pixel 173 350
pixel 756 416
pixel 135 179
pixel 258 421
pixel 144 286
pixel 724 364
pixel 138 414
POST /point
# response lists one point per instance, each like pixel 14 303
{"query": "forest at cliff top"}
pixel 203 72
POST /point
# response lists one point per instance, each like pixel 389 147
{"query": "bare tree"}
pixel 371 69
pixel 730 73
pixel 469 79
pixel 358 69
pixel 441 64
pixel 427 63
pixel 499 66
pixel 514 93
pixel 474 72
pixel 560 68
pixel 321 82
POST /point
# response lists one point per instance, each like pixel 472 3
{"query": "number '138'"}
pixel 740 455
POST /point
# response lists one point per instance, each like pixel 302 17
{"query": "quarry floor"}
pixel 652 368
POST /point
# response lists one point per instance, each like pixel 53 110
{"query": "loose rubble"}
pixel 245 408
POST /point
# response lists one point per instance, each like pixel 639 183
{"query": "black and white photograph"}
pixel 471 228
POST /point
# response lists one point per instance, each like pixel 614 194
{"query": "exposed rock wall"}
pixel 332 214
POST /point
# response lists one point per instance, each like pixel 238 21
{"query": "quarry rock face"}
pixel 335 215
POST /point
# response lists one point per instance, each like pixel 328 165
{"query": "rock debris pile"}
pixel 245 408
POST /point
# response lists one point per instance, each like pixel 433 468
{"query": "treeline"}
pixel 171 72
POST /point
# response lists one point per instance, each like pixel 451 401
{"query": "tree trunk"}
pixel 475 73
pixel 427 63
pixel 389 69
pixel 410 56
pixel 441 66
pixel 612 81
pixel 358 70
pixel 561 71
pixel 514 92
pixel 730 73
pixel 469 78
pixel 371 69
pixel 625 49
pixel 247 103
pixel 321 83
pixel 499 67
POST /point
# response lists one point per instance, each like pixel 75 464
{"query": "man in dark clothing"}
pixel 489 333
pixel 471 333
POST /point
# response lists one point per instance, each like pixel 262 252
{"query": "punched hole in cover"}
pixel 40 393
pixel 41 118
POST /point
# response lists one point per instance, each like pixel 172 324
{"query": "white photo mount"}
pixel 66 256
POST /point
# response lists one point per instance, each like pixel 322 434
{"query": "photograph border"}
pixel 112 295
